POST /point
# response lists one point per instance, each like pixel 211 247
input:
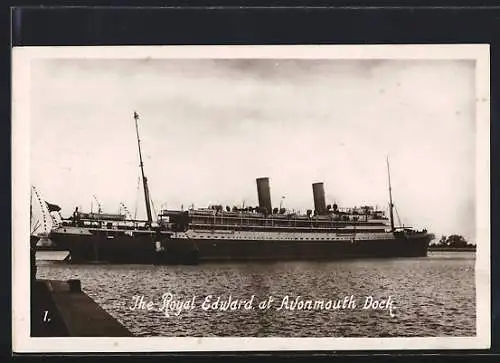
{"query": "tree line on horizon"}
pixel 453 241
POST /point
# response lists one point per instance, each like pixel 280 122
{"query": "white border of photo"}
pixel 21 59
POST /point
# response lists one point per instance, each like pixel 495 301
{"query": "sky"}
pixel 210 127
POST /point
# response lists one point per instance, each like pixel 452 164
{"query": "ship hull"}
pixel 182 250
pixel 278 250
pixel 100 248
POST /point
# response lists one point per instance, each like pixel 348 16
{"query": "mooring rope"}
pixel 40 201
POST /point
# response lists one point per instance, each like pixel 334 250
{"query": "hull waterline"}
pixel 147 249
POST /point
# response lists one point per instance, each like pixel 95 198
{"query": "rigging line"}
pixel 37 224
pixel 391 205
pixel 153 205
pixel 31 204
pixel 42 209
pixel 151 201
pixel 397 214
pixel 136 196
pixel 54 221
pixel 99 210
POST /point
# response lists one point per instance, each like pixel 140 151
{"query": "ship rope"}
pixel 35 228
pixel 99 209
pixel 397 215
pixel 43 207
pixel 152 204
pixel 55 223
pixel 154 209
pixel 137 196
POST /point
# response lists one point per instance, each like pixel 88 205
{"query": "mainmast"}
pixel 144 180
pixel 391 205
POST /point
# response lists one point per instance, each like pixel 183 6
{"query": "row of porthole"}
pixel 283 238
pixel 295 238
pixel 258 235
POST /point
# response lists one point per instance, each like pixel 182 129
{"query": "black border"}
pixel 319 23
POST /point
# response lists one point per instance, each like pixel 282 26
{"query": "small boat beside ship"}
pixel 217 233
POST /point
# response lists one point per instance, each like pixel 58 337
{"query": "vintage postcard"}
pixel 251 198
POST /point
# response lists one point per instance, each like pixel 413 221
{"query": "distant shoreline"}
pixel 453 249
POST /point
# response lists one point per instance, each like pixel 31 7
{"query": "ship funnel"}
pixel 319 198
pixel 264 194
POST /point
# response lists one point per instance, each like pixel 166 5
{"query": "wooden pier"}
pixel 62 309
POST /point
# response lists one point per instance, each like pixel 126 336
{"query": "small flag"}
pixel 53 207
pixel 136 115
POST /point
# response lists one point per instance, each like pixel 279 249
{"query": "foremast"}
pixel 144 179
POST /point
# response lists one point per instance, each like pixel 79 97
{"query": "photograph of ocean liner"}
pixel 239 233
pixel 287 179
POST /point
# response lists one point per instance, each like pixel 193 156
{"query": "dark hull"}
pixel 227 250
pixel 34 240
pixel 142 249
pixel 99 248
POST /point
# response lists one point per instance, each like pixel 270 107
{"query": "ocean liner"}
pixel 217 233
pixel 325 233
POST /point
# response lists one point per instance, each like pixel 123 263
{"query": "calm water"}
pixel 433 296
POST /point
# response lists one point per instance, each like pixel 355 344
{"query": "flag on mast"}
pixel 53 207
pixel 136 115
